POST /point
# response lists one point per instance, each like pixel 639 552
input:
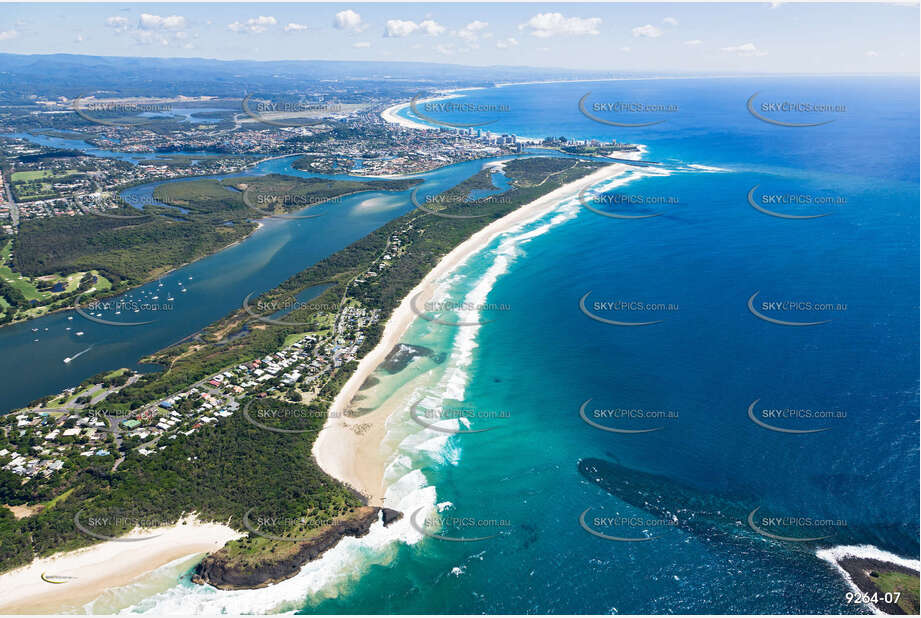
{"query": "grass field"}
pixel 59 498
pixel 30 175
pixel 32 185
pixel 17 281
pixel 29 289
pixel 40 175
pixel 116 373
pixel 893 581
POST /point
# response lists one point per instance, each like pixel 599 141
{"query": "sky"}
pixel 754 37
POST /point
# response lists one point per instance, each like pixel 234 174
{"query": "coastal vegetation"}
pixel 189 220
pixel 424 239
pixel 906 584
pixel 225 471
pixel 220 472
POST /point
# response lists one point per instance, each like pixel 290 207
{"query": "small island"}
pixel 890 587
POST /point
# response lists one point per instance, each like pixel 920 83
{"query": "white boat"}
pixel 34 330
pixel 68 328
pixel 80 353
pixel 79 334
pixel 70 317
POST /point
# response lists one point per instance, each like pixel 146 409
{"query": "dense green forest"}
pixel 193 219
pixel 222 471
pixel 136 249
pixel 426 239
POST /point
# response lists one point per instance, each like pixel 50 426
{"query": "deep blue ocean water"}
pixel 707 465
pixel 708 360
pixel 216 285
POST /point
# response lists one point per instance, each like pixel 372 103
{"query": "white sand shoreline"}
pixel 390 114
pixel 351 457
pixel 354 457
pixel 87 573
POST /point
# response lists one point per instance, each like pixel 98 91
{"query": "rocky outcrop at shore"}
pixel 234 572
pixel 866 572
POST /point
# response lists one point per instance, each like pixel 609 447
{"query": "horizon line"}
pixel 478 66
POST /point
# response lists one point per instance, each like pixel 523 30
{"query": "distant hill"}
pixel 71 75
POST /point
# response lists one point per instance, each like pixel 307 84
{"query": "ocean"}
pixel 728 289
pixel 198 293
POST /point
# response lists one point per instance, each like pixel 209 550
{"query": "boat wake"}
pixel 414 447
pixel 78 354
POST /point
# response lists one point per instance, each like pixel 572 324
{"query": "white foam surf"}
pixel 408 490
pixel 871 552
pixel 836 553
pixel 326 577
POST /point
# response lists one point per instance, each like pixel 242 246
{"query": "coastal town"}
pixel 54 437
pixel 293 303
pixel 38 443
pixel 81 169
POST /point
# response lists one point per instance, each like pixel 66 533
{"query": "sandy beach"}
pixel 390 114
pixel 349 449
pixel 85 574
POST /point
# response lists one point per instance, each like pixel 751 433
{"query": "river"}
pixel 32 362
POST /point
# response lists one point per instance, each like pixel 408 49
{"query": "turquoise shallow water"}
pixel 707 361
pixel 213 286
pixel 690 485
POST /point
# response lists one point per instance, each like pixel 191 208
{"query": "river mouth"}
pixel 202 291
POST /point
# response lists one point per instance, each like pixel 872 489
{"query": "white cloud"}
pixel 293 27
pixel 156 22
pixel 348 20
pixel 872 53
pixel 6 35
pixel 545 25
pixel 361 45
pixel 120 24
pixel 445 50
pixel 397 28
pixel 693 42
pixel 507 43
pixel 671 21
pixel 152 29
pixel 648 31
pixel 626 50
pixel 254 25
pixel 430 27
pixel 79 38
pixel 472 31
pixel 146 37
pixel 746 49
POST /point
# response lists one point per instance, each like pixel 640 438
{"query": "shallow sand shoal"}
pixel 353 455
